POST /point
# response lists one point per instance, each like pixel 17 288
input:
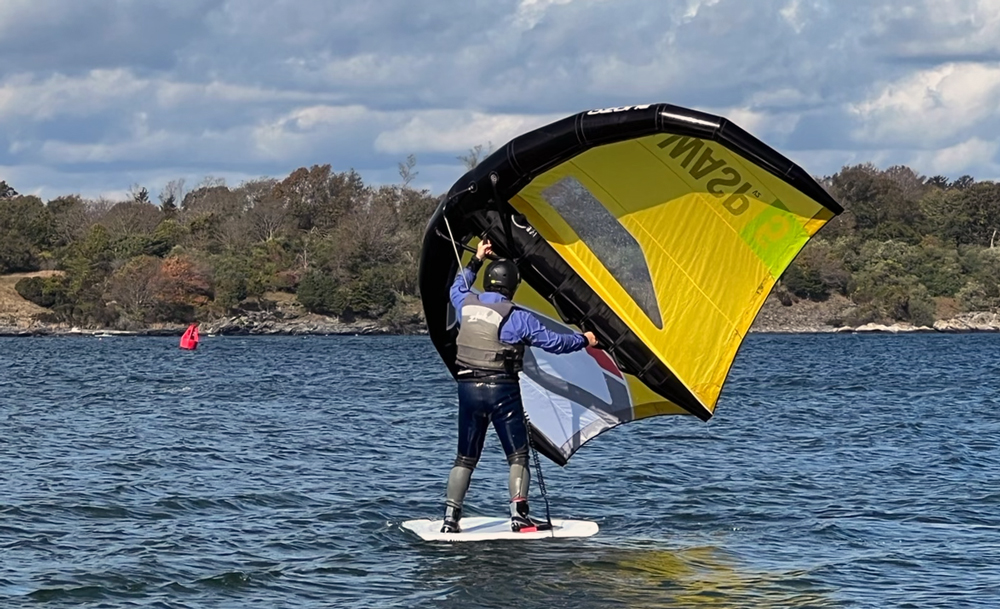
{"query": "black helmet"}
pixel 502 276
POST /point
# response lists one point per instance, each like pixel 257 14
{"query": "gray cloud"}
pixel 65 36
pixel 93 90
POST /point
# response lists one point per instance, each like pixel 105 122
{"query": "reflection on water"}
pixel 707 577
pixel 501 573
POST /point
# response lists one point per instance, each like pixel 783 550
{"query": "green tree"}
pixel 89 262
pixel 45 292
pixel 805 282
pixel 978 296
pixel 17 254
pixel 235 280
pixel 317 292
pixel 817 271
pixel 936 266
pixel 6 190
pixel 317 197
pixel 981 207
pixel 26 230
pixel 892 295
pixel 882 204
pixel 28 216
pixel 370 295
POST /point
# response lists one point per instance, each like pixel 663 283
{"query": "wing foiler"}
pixel 660 229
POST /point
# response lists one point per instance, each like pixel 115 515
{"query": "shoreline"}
pixel 940 327
pixel 290 319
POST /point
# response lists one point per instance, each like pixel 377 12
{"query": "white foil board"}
pixel 478 528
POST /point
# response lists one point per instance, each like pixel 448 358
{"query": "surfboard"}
pixel 478 528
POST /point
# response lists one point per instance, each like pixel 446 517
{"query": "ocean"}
pixel 838 471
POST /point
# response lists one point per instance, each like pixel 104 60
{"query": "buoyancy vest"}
pixel 479 344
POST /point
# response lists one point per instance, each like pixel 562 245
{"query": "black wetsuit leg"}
pixel 479 404
pixel 474 408
pixel 473 422
pixel 508 421
pixel 508 418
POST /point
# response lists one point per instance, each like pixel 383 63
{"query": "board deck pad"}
pixel 479 528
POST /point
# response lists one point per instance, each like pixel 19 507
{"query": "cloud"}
pixel 449 131
pixel 693 6
pixel 94 90
pixel 792 13
pixel 25 97
pixel 932 107
pixel 65 36
pixel 941 30
pixel 306 131
pixel 530 12
pixel 955 160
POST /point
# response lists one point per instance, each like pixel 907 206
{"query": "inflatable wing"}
pixel 660 229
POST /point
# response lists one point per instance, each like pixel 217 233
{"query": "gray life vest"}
pixel 479 344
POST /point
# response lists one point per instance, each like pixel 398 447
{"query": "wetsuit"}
pixel 491 343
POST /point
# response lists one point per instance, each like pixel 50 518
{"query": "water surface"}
pixel 839 471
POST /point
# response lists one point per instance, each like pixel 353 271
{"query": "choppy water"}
pixel 840 471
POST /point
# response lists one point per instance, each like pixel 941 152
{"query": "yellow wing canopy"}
pixel 660 229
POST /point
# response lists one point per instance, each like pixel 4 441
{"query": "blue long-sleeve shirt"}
pixel 521 326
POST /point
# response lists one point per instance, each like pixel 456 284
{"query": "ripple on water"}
pixel 276 471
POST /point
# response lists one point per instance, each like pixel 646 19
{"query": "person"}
pixel 491 341
pixel 190 338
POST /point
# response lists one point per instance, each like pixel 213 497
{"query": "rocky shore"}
pixel 806 317
pixel 263 323
pixel 246 323
pixel 289 318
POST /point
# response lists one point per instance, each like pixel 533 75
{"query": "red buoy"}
pixel 190 338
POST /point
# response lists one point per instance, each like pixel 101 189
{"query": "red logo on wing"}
pixel 604 361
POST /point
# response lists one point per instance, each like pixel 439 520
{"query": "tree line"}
pixel 906 248
pixel 343 247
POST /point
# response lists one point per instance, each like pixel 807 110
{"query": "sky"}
pixel 99 96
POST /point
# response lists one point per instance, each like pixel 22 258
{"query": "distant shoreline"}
pixel 290 319
pixel 11 332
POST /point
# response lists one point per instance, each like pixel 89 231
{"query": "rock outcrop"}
pixel 264 322
pixel 806 317
pixel 970 322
